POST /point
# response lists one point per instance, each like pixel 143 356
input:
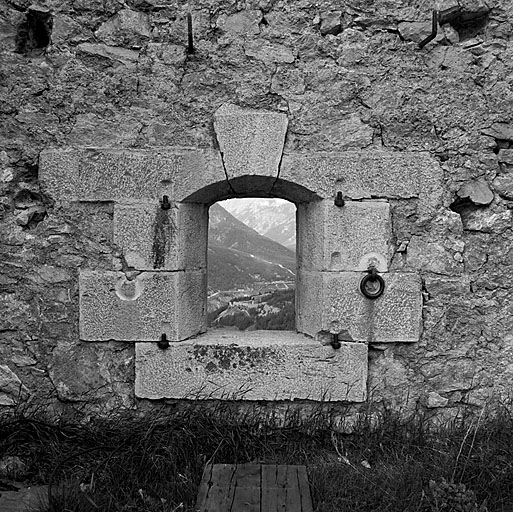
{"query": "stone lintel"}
pixel 332 302
pixel 128 175
pixel 152 238
pixel 251 141
pixel 363 174
pixel 142 309
pixel 258 365
pixel 348 238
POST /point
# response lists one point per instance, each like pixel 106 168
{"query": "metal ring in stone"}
pixel 372 286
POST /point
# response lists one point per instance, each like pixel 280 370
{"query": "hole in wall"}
pixel 252 264
pixel 35 31
pixel 469 24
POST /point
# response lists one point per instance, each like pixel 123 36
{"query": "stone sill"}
pixel 255 365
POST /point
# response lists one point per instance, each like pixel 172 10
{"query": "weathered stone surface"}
pixel 128 176
pixel 434 400
pixel 12 389
pixel 331 23
pixel 503 185
pixel 365 174
pixel 501 131
pixel 251 142
pixel 505 156
pixel 333 302
pixel 261 365
pixel 142 309
pixel 417 31
pixel 241 23
pixel 351 237
pixel 89 371
pixel 487 221
pixel 269 53
pixel 152 238
pixel 477 191
pixel 125 27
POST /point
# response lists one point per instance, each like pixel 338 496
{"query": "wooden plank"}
pixel 269 501
pixel 247 489
pixel 254 488
pixel 218 483
pixel 304 490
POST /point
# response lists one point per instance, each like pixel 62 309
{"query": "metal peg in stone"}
pixel 190 46
pixel 163 343
pixel 339 200
pixel 165 204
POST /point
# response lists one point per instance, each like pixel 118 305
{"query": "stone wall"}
pixel 350 80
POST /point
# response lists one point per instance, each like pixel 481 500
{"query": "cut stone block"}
pixel 352 237
pixel 144 308
pixel 332 302
pixel 152 238
pixel 258 365
pixel 250 141
pixel 125 175
pixel 364 174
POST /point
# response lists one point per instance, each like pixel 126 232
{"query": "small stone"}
pixel 477 191
pixel 458 257
pixel 434 400
pixel 126 26
pixel 11 386
pixel 417 31
pixel 505 156
pixel 32 215
pixel 502 131
pixel 450 34
pixel 503 185
pixel 268 52
pixel 244 22
pixel 330 23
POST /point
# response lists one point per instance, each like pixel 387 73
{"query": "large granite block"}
pixel 364 174
pixel 129 175
pixel 258 365
pixel 142 309
pixel 352 237
pixel 332 302
pixel 152 238
pixel 250 141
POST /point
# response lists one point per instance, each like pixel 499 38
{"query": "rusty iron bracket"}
pixel 335 342
pixel 163 343
pixel 434 30
pixel 190 36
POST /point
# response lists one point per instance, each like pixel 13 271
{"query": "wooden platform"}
pixel 254 488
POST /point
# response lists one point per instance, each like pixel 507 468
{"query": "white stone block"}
pixel 142 309
pixel 251 142
pixel 258 365
pixel 152 238
pixel 129 175
pixel 332 302
pixel 352 237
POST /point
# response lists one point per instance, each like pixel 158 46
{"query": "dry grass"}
pixel 126 464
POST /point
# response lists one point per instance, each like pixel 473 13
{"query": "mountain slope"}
pixel 238 256
pixel 272 218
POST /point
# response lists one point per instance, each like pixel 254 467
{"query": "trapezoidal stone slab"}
pixel 251 142
pixel 365 174
pixel 331 302
pixel 141 309
pixel 128 175
pixel 258 365
pixel 352 237
pixel 153 238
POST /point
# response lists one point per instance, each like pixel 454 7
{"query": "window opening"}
pixel 252 264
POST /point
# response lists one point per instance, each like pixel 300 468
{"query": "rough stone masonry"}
pixel 104 111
